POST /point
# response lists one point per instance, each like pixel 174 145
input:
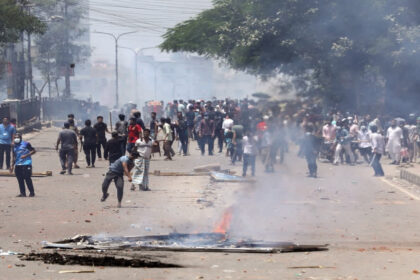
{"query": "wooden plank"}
pixel 208 168
pixel 163 173
pixel 34 174
pixel 186 174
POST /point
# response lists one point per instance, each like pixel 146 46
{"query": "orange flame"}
pixel 224 223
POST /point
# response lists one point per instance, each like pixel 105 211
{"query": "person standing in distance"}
pixel 100 128
pixel 378 149
pixel 88 134
pixel 68 140
pixel 22 165
pixel 7 134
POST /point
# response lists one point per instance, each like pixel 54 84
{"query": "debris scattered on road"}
pixel 178 242
pixel 96 259
pixel 180 174
pixel 208 168
pixel 8 253
pixel 76 271
pixel 227 178
pixel 312 267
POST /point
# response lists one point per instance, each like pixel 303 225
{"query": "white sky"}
pixel 150 18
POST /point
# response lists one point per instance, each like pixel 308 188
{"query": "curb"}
pixel 410 177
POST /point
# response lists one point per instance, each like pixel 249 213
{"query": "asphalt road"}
pixel 370 223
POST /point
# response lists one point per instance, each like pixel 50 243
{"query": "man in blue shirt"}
pixel 116 173
pixel 22 164
pixel 7 134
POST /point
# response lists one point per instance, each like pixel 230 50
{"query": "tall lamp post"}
pixel 136 53
pixel 116 38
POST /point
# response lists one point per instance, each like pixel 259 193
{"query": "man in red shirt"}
pixel 134 133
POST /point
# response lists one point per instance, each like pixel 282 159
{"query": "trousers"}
pixel 67 157
pixel 119 184
pixel 312 166
pixel 101 142
pixel 5 149
pixel 90 152
pixel 23 175
pixel 167 149
pixel 376 165
pixel 220 139
pixel 248 160
pixel 237 151
pixel 206 139
pixel 183 139
pixel 347 150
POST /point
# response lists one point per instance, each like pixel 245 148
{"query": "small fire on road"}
pixel 223 226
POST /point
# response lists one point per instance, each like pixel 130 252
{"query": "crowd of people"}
pixel 240 129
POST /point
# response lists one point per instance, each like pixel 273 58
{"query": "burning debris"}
pixel 217 241
pixel 202 242
pixel 96 259
pixel 224 224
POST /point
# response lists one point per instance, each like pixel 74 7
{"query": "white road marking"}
pixel 403 190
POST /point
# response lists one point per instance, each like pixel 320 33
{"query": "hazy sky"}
pixel 150 18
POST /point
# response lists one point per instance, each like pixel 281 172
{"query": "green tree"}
pixel 14 20
pixel 60 47
pixel 354 52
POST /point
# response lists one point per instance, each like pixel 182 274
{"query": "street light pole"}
pixel 136 52
pixel 116 38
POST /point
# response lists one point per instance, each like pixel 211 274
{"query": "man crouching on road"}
pixel 116 172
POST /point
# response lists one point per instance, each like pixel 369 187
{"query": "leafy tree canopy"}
pixel 351 51
pixel 14 20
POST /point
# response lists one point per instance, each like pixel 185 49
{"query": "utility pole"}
pixel 28 70
pixel 30 77
pixel 67 91
pixel 137 52
pixel 116 38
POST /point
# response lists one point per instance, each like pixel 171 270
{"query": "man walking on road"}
pixel 378 148
pixel 182 133
pixel 394 136
pixel 100 128
pixel 88 134
pixel 76 130
pixel 206 134
pixel 68 140
pixel 250 153
pixel 22 165
pixel 310 150
pixel 116 173
pixel 167 137
pixel 7 134
pixel 122 128
pixel 141 172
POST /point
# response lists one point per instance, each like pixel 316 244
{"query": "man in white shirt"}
pixel 365 146
pixel 249 143
pixel 142 164
pixel 378 149
pixel 227 123
pixel 329 132
pixel 394 136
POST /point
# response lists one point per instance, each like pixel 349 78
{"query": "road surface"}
pixel 370 223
